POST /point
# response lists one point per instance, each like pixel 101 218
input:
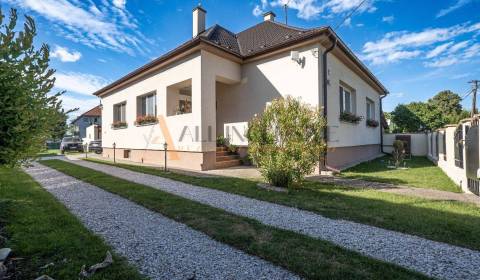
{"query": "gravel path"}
pixel 399 189
pixel 161 248
pixel 432 258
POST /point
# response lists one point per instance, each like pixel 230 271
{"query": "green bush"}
pixel 286 142
pixel 398 152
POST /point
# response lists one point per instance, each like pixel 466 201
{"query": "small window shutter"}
pixel 341 100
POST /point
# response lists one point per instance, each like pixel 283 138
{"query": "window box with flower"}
pixel 146 120
pixel 119 125
pixel 350 118
pixel 372 123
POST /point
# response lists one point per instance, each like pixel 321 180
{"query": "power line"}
pixel 350 14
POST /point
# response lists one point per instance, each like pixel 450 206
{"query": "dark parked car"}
pixel 95 146
pixel 71 143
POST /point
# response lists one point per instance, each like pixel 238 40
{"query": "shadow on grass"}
pixel 450 222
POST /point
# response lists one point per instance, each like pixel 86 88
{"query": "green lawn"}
pixel 421 173
pixel 49 152
pixel 41 230
pixel 308 257
pixel 445 221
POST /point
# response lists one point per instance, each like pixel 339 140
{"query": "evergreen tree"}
pixel 29 113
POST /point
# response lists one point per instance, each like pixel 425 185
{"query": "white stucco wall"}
pixel 457 174
pixel 419 145
pixel 265 80
pixel 202 68
pixel 342 134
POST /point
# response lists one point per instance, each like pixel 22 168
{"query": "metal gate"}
pixel 472 157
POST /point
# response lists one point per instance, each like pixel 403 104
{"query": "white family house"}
pixel 214 83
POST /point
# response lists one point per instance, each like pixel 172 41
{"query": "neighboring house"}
pixel 213 84
pixel 90 117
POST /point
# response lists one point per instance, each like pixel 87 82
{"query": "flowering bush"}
pixel 350 117
pixel 286 141
pixel 119 124
pixel 372 123
pixel 148 119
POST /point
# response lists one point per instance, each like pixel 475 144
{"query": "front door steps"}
pixel 226 159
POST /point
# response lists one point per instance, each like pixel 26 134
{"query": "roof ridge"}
pixel 292 27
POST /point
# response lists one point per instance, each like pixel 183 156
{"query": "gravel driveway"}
pixel 432 258
pixel 161 248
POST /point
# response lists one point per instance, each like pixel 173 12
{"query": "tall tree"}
pixel 28 112
pixel 442 109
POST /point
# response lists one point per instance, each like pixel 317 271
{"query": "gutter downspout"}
pixel 324 93
pixel 381 125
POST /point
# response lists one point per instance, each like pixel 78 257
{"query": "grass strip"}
pixel 450 222
pixel 421 173
pixel 40 230
pixel 308 257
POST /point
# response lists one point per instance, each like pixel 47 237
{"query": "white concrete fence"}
pixel 441 148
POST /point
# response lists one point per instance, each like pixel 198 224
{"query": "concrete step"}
pixel 222 153
pixel 227 163
pixel 220 149
pixel 226 157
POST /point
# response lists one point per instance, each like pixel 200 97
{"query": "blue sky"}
pixel 416 48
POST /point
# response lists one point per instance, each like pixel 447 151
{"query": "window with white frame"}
pixel 119 112
pixel 147 105
pixel 370 109
pixel 347 99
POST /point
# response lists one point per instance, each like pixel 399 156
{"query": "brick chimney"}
pixel 198 20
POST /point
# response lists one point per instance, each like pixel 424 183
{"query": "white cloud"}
pixel 347 22
pixel 65 55
pixel 388 19
pixel 458 46
pixel 257 11
pixel 458 4
pixel 438 50
pixel 306 9
pixel 443 62
pixel 396 46
pixel 342 6
pixel 120 3
pixel 472 51
pixel 83 104
pixel 103 26
pixel 310 9
pixel 398 94
pixel 360 25
pixel 79 82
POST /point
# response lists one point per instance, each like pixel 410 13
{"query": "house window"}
pixel 370 109
pixel 147 105
pixel 119 112
pixel 179 98
pixel 347 100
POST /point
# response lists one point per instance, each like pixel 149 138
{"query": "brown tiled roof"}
pixel 94 112
pixel 256 39
pixel 262 38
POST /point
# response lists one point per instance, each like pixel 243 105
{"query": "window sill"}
pixel 347 122
pixel 119 127
pixel 145 124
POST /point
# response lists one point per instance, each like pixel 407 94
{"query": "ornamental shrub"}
pixel 286 141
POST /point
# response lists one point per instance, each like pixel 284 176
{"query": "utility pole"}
pixel 474 98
